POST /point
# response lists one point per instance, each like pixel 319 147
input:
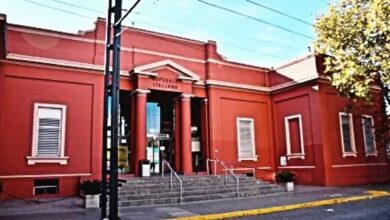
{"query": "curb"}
pixel 253 212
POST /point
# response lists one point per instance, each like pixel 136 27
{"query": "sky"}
pixel 239 38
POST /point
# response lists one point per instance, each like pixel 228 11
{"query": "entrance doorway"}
pixel 163 133
pixel 160 129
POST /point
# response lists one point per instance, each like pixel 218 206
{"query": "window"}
pixel 294 137
pixel 347 135
pixel 246 139
pixel 369 135
pixel 45 186
pixel 48 134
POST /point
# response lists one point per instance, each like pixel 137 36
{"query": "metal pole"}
pixel 115 113
pixel 162 168
pixel 215 168
pixel 207 167
pixel 105 113
pixel 171 181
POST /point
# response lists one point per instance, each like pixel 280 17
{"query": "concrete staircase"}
pixel 156 190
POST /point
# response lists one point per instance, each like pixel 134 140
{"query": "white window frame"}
pixel 254 157
pixel 34 158
pixel 289 154
pixel 353 153
pixel 375 153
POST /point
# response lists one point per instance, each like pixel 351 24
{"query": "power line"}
pixel 78 6
pixel 185 23
pixel 59 9
pixel 256 19
pixel 281 13
pixel 153 25
pixel 223 32
pixel 220 42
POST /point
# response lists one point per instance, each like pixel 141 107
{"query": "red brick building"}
pixel 180 101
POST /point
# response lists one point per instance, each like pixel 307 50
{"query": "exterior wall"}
pixel 80 92
pixel 52 67
pixel 349 170
pixel 302 101
pixel 226 106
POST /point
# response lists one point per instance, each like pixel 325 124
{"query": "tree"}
pixel 354 36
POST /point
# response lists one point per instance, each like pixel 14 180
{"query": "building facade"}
pixel 180 101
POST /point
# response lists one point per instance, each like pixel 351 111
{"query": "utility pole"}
pixel 111 108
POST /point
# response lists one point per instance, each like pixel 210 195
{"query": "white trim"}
pixel 163 35
pixel 254 157
pixel 45 175
pixel 35 158
pixel 238 65
pixel 145 69
pixel 60 62
pixel 51 34
pixel 100 70
pixel 293 155
pixel 353 153
pixel 297 167
pixel 185 96
pixel 294 60
pixel 237 85
pixel 293 83
pixel 359 165
pixel 31 160
pixel 162 54
pixel 78 37
pixel 264 168
pixel 20 57
pixel 140 92
pixel 375 153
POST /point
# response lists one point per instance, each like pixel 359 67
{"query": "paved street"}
pixel 378 208
pixel 375 209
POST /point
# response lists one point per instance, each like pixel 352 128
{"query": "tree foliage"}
pixel 355 37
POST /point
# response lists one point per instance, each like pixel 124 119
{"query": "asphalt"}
pixel 72 208
pixel 378 209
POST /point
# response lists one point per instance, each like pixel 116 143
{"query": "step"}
pixel 183 178
pixel 188 188
pixel 185 183
pixel 186 199
pixel 176 193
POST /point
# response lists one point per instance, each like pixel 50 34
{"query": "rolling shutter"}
pixel 49 132
pixel 245 128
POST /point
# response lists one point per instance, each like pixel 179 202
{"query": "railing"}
pixel 172 172
pixel 240 167
pixel 226 169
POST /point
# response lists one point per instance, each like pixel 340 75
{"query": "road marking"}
pixel 252 212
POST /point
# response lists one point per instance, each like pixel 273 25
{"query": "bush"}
pixel 91 187
pixel 284 177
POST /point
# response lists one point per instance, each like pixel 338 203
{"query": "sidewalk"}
pixel 71 208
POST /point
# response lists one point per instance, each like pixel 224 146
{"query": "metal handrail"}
pixel 243 167
pixel 215 166
pixel 237 179
pixel 226 169
pixel 172 172
pixel 246 168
